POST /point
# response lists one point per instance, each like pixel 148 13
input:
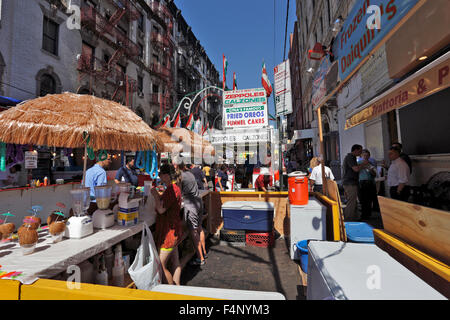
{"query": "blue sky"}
pixel 243 30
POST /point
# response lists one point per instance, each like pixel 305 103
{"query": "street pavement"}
pixel 247 268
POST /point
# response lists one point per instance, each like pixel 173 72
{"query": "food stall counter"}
pixel 49 259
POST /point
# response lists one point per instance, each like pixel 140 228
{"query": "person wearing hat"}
pixel 264 180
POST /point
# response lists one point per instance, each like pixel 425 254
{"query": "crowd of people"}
pixel 359 181
pixel 177 200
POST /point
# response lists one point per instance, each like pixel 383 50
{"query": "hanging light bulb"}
pixel 71 154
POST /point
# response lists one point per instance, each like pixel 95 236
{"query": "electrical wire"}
pixel 10 85
pixel 285 31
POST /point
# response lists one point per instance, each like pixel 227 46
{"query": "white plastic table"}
pixel 49 259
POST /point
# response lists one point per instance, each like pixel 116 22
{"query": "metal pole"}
pixel 84 165
pixel 322 151
pixel 280 155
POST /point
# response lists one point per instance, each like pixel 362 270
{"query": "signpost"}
pixel 283 93
pixel 245 108
pixel 31 159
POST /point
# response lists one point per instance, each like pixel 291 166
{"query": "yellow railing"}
pixel 44 289
pixel 333 212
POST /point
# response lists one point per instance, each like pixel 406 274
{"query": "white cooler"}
pixel 359 271
pixel 219 293
pixel 307 222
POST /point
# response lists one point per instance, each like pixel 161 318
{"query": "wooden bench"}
pixel 419 238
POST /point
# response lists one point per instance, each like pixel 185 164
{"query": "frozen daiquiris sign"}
pixel 358 36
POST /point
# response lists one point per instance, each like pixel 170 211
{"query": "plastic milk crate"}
pixel 232 235
pixel 260 239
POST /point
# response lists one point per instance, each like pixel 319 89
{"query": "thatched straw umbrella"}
pixel 62 120
pixel 180 139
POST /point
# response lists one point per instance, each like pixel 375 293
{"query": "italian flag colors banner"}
pixel 265 81
pixel 224 69
pixel 166 122
pixel 177 123
pixel 205 129
pixel 234 81
pixel 190 123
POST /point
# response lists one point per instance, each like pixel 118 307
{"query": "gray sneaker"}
pixel 198 262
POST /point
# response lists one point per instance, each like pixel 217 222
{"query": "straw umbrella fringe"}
pixel 60 121
pixel 181 139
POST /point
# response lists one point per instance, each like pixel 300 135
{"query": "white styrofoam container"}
pixel 361 271
pixel 307 222
pixel 218 293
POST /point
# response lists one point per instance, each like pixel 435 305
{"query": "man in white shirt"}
pixel 316 176
pixel 398 176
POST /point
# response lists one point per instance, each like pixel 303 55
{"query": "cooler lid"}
pixel 248 205
pixel 297 174
pixel 313 204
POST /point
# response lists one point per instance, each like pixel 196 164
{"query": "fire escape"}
pixel 109 72
pixel 163 42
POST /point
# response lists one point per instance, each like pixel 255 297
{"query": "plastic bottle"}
pixel 45 181
pixel 86 271
pixel 101 276
pixel 109 261
pixel 118 269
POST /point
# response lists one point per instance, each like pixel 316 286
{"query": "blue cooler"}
pixel 248 215
pixel 359 232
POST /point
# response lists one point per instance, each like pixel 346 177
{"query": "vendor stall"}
pixel 180 142
pixel 71 121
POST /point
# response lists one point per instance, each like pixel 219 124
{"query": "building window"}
pixel 106 57
pixel 88 55
pixel 140 83
pixel 140 113
pixel 50 36
pixel 141 51
pixel 91 4
pixel 121 28
pixel 330 18
pixel 140 22
pixel 47 85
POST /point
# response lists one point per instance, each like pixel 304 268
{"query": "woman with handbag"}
pixel 168 223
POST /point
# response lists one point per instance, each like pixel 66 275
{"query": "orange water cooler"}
pixel 298 188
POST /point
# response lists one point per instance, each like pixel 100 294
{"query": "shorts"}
pixel 193 209
pixel 194 219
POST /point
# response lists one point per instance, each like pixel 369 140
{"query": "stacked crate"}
pixel 248 223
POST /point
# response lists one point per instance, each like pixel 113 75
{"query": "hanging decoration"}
pixel 2 156
pixel 154 172
pixel 103 154
pixel 140 159
pixel 187 102
pixel 147 162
